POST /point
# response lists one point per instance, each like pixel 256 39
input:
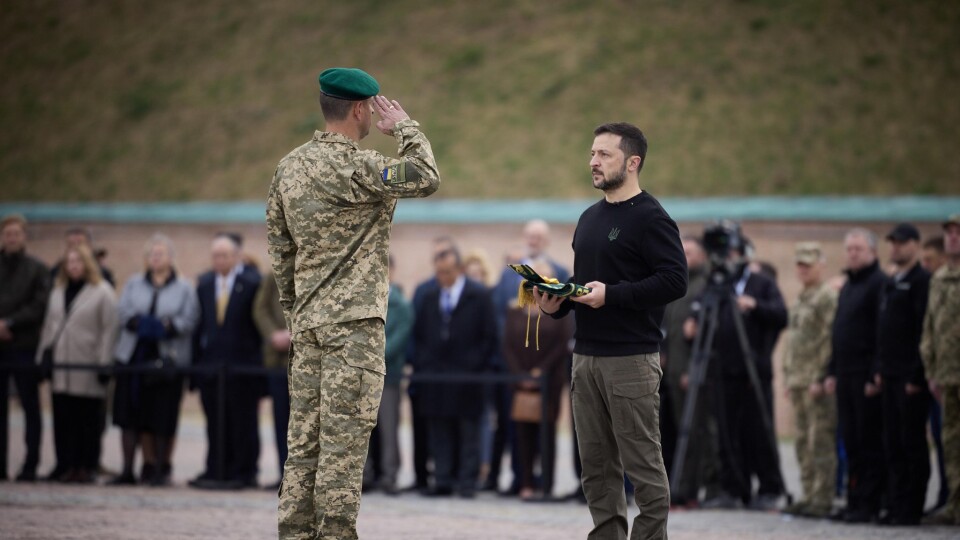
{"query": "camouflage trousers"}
pixel 951 446
pixel 336 380
pixel 816 445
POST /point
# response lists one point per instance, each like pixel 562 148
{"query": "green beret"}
pixel 348 83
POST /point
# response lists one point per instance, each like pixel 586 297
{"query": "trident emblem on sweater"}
pixel 614 233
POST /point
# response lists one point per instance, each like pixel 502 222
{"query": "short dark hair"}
pixel 450 252
pixel 935 243
pixel 335 109
pixel 632 140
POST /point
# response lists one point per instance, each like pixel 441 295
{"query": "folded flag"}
pixel 546 285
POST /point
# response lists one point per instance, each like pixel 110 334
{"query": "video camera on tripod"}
pixel 719 240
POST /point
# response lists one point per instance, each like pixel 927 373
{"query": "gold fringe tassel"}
pixel 525 299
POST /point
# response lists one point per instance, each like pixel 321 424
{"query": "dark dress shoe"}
pixel 438 492
pixel 27 475
pixel 859 516
pixel 125 479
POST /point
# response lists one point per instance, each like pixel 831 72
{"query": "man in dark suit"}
pixel 227 335
pixel 454 332
pixel 421 444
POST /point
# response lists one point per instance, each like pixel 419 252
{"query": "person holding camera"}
pixel 745 445
pixel 158 312
pixel 80 328
pixel 627 250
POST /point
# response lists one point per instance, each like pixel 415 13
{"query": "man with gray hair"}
pixel 853 354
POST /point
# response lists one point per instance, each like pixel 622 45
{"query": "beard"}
pixel 611 182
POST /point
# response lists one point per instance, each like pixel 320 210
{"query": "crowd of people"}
pixel 872 359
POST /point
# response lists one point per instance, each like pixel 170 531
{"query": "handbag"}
pixel 527 406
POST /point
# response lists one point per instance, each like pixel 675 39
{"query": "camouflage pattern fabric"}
pixel 816 444
pixel 336 380
pixel 940 348
pixel 940 345
pixel 811 320
pixel 951 446
pixel 329 214
pixel 328 225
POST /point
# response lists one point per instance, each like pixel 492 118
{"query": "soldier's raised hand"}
pixel 390 113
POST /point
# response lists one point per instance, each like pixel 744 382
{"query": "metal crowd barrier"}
pixel 223 371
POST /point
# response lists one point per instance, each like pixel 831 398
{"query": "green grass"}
pixel 186 100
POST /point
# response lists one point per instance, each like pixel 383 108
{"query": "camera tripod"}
pixel 719 291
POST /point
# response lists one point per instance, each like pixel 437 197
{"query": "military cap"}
pixel 808 252
pixel 954 219
pixel 904 232
pixel 351 84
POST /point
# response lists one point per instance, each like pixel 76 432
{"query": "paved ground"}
pixel 47 511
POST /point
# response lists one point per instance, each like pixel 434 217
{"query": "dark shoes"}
pixel 125 479
pixel 437 492
pixel 27 475
pixel 765 503
pixel 723 501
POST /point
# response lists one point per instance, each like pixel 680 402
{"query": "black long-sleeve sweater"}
pixel 633 247
pixel 855 324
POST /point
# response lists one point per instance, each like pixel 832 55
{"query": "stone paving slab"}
pixel 49 511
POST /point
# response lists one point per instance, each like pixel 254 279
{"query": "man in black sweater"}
pixel 628 251
pixel 900 376
pixel 851 368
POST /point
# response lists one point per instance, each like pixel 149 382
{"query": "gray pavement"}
pixel 48 511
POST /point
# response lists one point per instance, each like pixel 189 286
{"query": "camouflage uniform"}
pixel 940 348
pixel 816 416
pixel 329 215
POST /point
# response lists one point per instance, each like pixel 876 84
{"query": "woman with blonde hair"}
pixel 476 266
pixel 79 328
pixel 158 312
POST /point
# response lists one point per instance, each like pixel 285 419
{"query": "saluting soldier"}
pixel 940 349
pixel 804 369
pixel 329 213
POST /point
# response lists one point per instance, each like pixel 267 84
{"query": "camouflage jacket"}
pixel 329 213
pixel 808 352
pixel 940 345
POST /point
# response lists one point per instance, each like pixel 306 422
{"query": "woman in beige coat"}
pixel 80 328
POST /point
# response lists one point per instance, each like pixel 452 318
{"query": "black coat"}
pixel 854 333
pixel 237 341
pixel 900 325
pixel 763 325
pixel 466 344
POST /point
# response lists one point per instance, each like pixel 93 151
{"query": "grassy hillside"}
pixel 180 100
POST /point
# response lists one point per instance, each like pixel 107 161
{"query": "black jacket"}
pixel 763 325
pixel 902 306
pixel 854 334
pixel 24 288
pixel 465 344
